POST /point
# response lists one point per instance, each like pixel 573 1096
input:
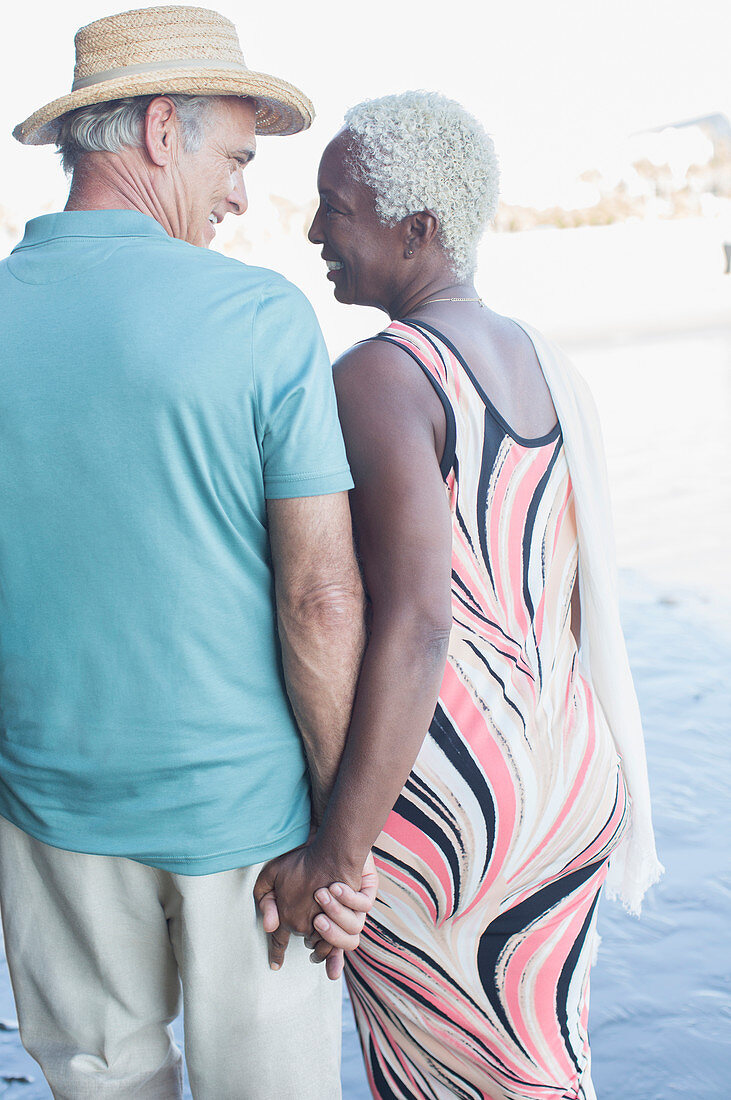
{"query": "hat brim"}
pixel 281 108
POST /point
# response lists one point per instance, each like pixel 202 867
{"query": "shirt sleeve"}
pixel 300 440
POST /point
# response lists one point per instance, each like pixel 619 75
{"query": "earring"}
pixel 409 252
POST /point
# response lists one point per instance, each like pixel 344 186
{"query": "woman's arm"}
pixel 394 429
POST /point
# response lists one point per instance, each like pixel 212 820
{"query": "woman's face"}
pixel 362 254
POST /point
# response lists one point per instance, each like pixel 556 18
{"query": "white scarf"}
pixel 634 866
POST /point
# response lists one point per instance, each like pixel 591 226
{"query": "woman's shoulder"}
pixel 385 359
pixel 382 379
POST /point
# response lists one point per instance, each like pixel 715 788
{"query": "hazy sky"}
pixel 557 84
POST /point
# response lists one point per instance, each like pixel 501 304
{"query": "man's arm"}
pixel 320 612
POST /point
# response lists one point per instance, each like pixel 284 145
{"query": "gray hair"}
pixel 422 151
pixel 110 127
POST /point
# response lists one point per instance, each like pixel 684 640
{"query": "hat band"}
pixel 201 65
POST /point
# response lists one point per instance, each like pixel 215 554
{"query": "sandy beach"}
pixel 645 311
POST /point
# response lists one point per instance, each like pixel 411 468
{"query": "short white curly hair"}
pixel 421 151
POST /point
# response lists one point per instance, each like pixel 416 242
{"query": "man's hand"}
pixel 290 899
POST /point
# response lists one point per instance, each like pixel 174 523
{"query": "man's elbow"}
pixel 329 611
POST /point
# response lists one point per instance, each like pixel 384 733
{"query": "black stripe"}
pixel 456 579
pixel 474 607
pixel 421 790
pixel 386 857
pixel 564 982
pixel 384 1089
pixel 460 519
pixel 455 750
pixel 530 521
pixel 490 450
pixel 411 812
pixel 495 676
pixel 505 927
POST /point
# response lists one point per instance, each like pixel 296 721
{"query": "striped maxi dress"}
pixel 472 978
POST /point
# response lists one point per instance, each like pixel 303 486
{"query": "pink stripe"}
pixel 461 708
pixel 420 845
pixel 411 883
pixel 543 1013
pixel 574 793
pixel 429 988
pixel 517 519
pixel 419 345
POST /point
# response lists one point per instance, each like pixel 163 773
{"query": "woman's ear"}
pixel 419 231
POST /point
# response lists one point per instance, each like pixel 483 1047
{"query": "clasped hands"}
pixel 292 899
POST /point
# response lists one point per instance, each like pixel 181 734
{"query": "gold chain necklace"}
pixel 430 301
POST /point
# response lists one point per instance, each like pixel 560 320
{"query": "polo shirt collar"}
pixel 89 223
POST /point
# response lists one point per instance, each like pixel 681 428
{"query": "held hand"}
pixel 284 893
pixel 289 879
pixel 338 927
pixel 277 937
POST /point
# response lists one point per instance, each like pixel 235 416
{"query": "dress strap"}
pixel 413 338
pixel 423 352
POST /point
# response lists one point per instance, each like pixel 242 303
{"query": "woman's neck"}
pixel 440 288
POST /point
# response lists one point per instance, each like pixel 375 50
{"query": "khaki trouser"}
pixel 98 948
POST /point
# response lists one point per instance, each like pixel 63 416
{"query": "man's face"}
pixel 209 182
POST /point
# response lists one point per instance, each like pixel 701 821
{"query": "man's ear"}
pixel 161 130
pixel 419 230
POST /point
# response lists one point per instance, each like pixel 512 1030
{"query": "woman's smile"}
pixel 357 248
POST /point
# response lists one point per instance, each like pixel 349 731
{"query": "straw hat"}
pixel 191 51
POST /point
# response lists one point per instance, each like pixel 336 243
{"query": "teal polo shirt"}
pixel 153 397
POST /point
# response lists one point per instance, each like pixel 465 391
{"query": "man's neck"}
pixel 104 181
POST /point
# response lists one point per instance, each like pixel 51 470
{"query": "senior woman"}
pixel 489 760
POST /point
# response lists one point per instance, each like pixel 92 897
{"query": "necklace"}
pixel 430 301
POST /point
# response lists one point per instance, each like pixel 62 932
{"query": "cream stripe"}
pixel 202 65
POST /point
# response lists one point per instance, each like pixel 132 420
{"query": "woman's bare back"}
pixel 502 358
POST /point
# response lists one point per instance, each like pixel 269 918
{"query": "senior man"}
pixel 171 462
